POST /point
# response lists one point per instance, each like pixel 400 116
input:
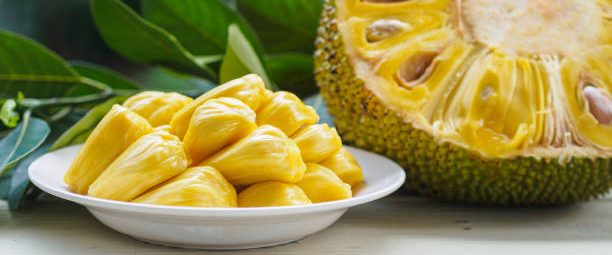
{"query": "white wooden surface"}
pixel 400 224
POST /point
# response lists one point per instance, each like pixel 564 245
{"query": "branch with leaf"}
pixel 48 103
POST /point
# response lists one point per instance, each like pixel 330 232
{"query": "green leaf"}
pixel 22 140
pixel 161 79
pixel 19 180
pixel 230 3
pixel 104 75
pixel 79 132
pixel 5 184
pixel 200 26
pixel 240 59
pixel 28 67
pixel 142 41
pixel 120 84
pixel 284 25
pixel 15 184
pixel 8 114
pixel 317 102
pixel 53 114
pixel 292 72
pixel 213 61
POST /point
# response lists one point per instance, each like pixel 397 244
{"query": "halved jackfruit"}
pixel 321 184
pixel 216 124
pixel 272 193
pixel 493 102
pixel 344 166
pixel 149 161
pixel 286 111
pixel 118 129
pixel 267 154
pixel 196 187
pixel 157 107
pixel 317 142
pixel 249 89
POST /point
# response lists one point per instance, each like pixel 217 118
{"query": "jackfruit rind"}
pixel 321 184
pixel 317 142
pixel 287 112
pixel 157 107
pixel 216 124
pixel 436 166
pixel 267 154
pixel 118 129
pixel 149 161
pixel 249 89
pixel 196 187
pixel 272 193
pixel 344 166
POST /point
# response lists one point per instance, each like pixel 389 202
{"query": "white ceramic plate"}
pixel 218 228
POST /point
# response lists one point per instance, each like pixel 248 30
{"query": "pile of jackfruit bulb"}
pixel 168 149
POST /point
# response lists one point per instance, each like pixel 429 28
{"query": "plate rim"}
pixel 128 207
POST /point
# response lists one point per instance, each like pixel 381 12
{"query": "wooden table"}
pixel 400 224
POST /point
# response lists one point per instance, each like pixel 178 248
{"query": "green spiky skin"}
pixel 441 170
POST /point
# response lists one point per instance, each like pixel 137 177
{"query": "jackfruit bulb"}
pixel 267 154
pixel 321 184
pixel 503 102
pixel 149 161
pixel 236 136
pixel 344 166
pixel 249 89
pixel 287 112
pixel 196 187
pixel 166 128
pixel 118 129
pixel 157 107
pixel 272 193
pixel 317 142
pixel 216 124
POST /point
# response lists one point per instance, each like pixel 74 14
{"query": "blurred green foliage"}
pixel 67 27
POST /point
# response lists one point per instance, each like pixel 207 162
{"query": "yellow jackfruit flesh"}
pixel 344 166
pixel 249 89
pixel 266 154
pixel 215 124
pixel 238 134
pixel 196 187
pixel 321 184
pixel 157 107
pixel 166 128
pixel 272 193
pixel 149 161
pixel 287 112
pixel 317 142
pixel 505 102
pixel 118 129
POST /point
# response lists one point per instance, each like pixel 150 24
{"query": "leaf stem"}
pixel 63 112
pixel 105 92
